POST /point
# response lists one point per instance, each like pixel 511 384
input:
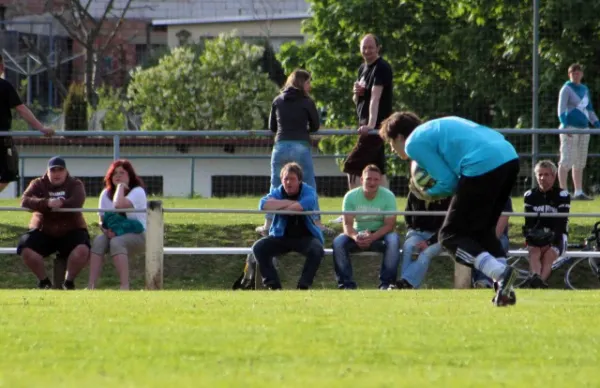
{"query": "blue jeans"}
pixel 414 271
pixel 478 276
pixel 268 247
pixel 287 151
pixel 389 245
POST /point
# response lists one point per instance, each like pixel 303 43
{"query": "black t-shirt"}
pixel 555 200
pixel 296 225
pixel 9 99
pixel 378 73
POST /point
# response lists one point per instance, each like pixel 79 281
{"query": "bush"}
pixel 75 108
pixel 219 87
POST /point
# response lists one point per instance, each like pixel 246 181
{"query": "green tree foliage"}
pixel 113 102
pixel 75 108
pixel 219 87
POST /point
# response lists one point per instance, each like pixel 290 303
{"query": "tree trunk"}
pixel 90 78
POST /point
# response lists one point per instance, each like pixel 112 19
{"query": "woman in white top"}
pixel 123 189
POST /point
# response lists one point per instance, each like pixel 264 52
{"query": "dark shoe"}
pixel 403 284
pixel 45 284
pixel 68 285
pixel 582 197
pixel 535 281
pixel 505 295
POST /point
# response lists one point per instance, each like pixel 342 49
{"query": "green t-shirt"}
pixel 355 200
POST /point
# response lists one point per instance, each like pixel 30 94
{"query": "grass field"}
pixel 218 272
pixel 319 338
pixel 437 338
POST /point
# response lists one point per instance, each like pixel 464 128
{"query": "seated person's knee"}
pixel 117 247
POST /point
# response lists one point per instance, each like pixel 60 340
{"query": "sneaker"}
pixel 384 287
pixel 403 284
pixel 535 281
pixel 505 295
pixel 45 284
pixel 339 220
pixel 262 230
pixel 328 231
pixel 582 197
pixel 68 285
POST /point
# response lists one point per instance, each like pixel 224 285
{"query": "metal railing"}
pixel 117 141
pixel 155 232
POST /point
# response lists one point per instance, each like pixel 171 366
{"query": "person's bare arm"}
pixel 29 117
pixel 376 92
pixel 501 225
pixel 389 224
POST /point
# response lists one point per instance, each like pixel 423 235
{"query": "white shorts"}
pixel 573 150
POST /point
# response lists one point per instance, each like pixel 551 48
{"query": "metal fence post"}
pixel 155 232
pixel 21 187
pixel 192 178
pixel 535 114
pixel 116 147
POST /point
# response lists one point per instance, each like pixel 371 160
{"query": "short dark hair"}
pixel 371 167
pixel 575 67
pixel 399 123
pixel 293 168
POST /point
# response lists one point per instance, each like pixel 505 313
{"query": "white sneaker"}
pixel 262 230
pixel 338 220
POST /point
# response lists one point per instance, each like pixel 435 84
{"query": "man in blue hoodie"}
pixel 575 111
pixel 477 167
pixel 290 233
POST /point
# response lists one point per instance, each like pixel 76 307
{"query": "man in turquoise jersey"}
pixel 478 168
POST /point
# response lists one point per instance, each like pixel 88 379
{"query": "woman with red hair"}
pixel 123 234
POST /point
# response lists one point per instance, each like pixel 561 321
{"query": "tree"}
pixel 75 108
pixel 223 87
pixel 470 58
pixel 95 34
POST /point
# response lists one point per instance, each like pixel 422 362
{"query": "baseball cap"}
pixel 57 161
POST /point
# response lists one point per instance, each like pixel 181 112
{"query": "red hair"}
pixel 134 179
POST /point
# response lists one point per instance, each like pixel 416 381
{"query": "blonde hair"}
pixel 297 80
pixel 292 168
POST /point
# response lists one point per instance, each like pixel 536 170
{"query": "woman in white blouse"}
pixel 123 189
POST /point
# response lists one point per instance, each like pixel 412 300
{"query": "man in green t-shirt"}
pixel 373 232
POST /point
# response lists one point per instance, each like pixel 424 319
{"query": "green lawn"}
pixel 437 338
pixel 234 230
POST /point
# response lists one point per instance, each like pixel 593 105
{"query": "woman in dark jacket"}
pixel 293 117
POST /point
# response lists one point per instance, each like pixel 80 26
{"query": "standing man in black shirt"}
pixel 373 99
pixel 9 99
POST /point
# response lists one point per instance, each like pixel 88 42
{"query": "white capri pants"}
pixel 573 150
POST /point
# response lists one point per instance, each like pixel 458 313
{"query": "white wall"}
pixel 175 168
